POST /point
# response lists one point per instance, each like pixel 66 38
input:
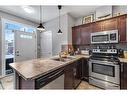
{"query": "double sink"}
pixel 65 59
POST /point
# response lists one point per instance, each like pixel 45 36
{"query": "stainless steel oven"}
pixel 104 69
pixel 104 37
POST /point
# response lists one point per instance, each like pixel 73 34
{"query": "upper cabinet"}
pixel 81 34
pixel 122 28
pixel 110 24
pixel 85 33
pixel 76 39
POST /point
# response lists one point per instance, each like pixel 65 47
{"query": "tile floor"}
pixel 7 83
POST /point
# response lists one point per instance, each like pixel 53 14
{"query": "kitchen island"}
pixel 26 72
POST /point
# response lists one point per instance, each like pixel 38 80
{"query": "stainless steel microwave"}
pixel 110 36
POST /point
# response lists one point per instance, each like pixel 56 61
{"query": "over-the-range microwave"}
pixel 110 36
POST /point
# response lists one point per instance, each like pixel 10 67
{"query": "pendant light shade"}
pixel 40 27
pixel 59 8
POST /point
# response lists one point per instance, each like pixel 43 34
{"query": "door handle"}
pixel 17 53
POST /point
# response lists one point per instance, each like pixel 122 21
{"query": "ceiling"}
pixel 48 12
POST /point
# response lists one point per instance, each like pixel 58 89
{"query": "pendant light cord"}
pixel 40 14
pixel 59 19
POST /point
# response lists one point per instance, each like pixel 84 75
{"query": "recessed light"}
pixel 28 9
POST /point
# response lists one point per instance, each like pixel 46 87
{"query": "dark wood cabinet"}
pixel 69 77
pixel 85 33
pixel 97 26
pixel 77 71
pixel 123 76
pixel 110 24
pixel 76 39
pixel 81 34
pixel 73 75
pixel 122 28
pixel 85 70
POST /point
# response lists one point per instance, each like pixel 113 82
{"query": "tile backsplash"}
pixel 89 47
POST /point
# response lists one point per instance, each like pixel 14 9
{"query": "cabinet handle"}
pixel 74 71
pixel 121 67
pixel 119 37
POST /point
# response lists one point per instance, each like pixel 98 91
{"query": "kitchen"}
pixel 91 48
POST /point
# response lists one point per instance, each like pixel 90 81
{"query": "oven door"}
pixel 104 70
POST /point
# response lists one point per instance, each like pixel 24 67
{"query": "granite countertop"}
pixel 35 68
pixel 124 60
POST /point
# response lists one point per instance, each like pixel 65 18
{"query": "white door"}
pixel 25 46
pixel 46 44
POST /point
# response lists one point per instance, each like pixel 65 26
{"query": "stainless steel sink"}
pixel 64 59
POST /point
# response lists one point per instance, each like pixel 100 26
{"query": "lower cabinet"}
pixel 73 75
pixel 77 71
pixel 85 70
pixel 123 76
pixel 68 76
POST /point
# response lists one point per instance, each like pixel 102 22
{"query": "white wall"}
pixel 119 9
pixel 71 23
pixel 67 22
pixel 58 39
pixel 78 21
pixel 115 9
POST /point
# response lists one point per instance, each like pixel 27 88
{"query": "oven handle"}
pixel 103 62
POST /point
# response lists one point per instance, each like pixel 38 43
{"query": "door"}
pixel 25 46
pixel 46 44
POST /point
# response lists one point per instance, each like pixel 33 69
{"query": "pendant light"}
pixel 40 27
pixel 59 8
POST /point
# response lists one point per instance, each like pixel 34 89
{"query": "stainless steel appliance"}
pixel 53 80
pixel 104 37
pixel 104 68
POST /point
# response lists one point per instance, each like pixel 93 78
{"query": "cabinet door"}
pixel 111 24
pixel 69 77
pixel 85 70
pixel 123 77
pixel 98 26
pixel 122 28
pixel 77 73
pixel 76 40
pixel 85 33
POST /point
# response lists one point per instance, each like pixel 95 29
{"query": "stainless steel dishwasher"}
pixel 53 80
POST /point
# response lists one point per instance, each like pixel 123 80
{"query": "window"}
pixel 26 36
pixel 12 26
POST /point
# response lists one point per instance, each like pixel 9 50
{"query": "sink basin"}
pixel 63 59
